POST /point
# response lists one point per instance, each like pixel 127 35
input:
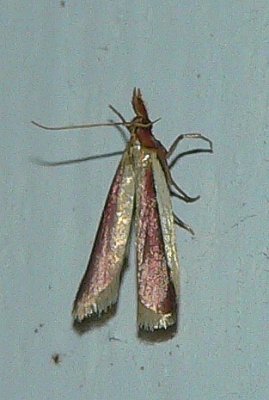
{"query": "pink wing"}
pixel 100 285
pixel 156 291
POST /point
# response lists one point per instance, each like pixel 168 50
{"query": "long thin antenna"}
pixel 62 128
pixel 127 124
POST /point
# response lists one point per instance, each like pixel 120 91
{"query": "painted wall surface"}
pixel 202 67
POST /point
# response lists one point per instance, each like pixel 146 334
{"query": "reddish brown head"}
pixel 144 134
pixel 139 107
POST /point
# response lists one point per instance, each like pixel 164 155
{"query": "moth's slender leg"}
pixel 182 224
pixel 188 136
pixel 171 182
pixel 185 197
pixel 117 113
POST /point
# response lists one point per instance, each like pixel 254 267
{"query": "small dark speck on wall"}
pixel 56 358
pixel 39 326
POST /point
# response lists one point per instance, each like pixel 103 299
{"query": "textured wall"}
pixel 202 66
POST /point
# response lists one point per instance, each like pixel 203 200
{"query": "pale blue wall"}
pixel 203 66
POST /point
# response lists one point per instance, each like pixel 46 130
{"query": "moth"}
pixel 141 191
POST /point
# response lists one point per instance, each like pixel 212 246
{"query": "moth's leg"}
pixel 189 136
pixel 182 224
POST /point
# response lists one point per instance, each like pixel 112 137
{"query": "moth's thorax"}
pixel 140 155
pixel 147 141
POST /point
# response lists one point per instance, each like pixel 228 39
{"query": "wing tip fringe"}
pixel 95 305
pixel 150 320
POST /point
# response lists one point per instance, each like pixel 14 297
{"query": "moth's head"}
pixel 139 108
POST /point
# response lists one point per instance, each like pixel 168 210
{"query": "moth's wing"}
pixel 100 285
pixel 157 260
pixel 165 208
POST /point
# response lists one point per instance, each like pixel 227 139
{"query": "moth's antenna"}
pixel 62 128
